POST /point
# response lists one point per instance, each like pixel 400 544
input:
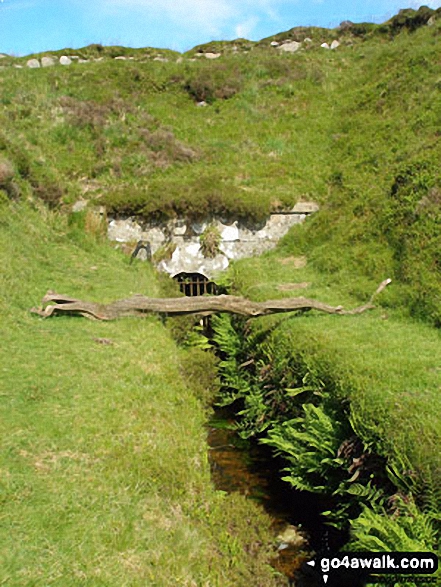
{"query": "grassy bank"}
pixel 310 385
pixel 104 471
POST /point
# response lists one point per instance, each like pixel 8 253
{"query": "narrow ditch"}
pixel 252 470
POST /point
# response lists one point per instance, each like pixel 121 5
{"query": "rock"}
pixel 64 60
pixel 47 61
pixel 237 240
pixel 120 58
pixel 74 57
pixel 305 208
pixel 83 61
pixel 3 56
pixel 18 66
pixel 33 63
pixel 346 25
pixel 199 227
pixel 335 44
pixel 180 229
pixel 291 47
pixel 431 21
pixel 179 60
pixel 163 59
pixel 105 341
pixel 274 44
pixel 228 233
pixel 307 40
pixel 291 536
pixel 325 46
pixel 124 231
pixel 79 206
pixel 212 55
pixel 202 104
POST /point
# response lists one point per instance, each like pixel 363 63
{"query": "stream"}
pixel 252 470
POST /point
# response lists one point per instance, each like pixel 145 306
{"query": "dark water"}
pixel 252 470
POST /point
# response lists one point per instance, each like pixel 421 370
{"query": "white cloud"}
pixel 244 29
pixel 214 17
pixel 209 14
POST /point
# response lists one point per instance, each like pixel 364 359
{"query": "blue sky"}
pixel 30 26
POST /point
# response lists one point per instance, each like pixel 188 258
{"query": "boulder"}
pixel 335 44
pixel 291 47
pixel 212 55
pixel 64 60
pixel 120 58
pixel 274 44
pixel 33 63
pixel 47 61
pixel 325 46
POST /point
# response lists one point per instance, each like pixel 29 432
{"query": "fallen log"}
pixel 139 305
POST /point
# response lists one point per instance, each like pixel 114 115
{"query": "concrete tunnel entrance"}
pixel 195 284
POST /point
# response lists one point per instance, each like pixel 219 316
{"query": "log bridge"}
pixel 139 305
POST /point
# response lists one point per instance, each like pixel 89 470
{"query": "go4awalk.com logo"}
pixel 364 568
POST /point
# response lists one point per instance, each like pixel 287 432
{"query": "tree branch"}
pixel 139 305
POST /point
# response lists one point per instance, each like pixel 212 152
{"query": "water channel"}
pixel 252 470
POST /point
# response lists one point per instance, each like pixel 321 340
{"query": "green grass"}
pixel 355 129
pixel 381 364
pixel 104 471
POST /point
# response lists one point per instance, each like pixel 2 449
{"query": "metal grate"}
pixel 195 284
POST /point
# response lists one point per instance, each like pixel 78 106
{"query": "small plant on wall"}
pixel 210 241
pixel 164 253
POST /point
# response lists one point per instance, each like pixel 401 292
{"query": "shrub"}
pixel 409 19
pixel 210 240
pixel 165 148
pixel 214 81
pixel 407 529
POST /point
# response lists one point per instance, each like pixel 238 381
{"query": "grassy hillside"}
pixel 104 471
pixel 355 129
pixel 255 130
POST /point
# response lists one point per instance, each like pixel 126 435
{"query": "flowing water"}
pixel 252 469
